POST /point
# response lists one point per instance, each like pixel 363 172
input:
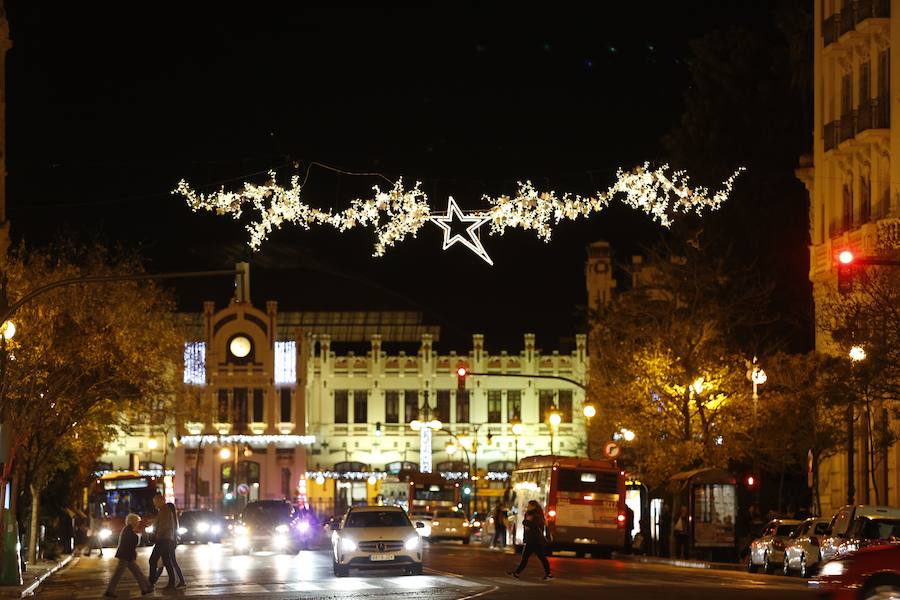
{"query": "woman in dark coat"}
pixel 535 526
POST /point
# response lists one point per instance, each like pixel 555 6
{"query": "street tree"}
pixel 81 355
pixel 665 362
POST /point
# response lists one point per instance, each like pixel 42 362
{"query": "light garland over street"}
pixel 399 212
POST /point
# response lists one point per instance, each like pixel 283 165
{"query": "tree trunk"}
pixel 686 413
pixel 35 523
pixel 780 489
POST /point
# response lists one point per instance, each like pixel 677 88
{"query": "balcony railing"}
pixel 867 9
pixel 854 13
pixel 831 28
pixel 848 126
pixel 874 114
pixel 830 135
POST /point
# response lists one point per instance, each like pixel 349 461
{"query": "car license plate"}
pixel 375 557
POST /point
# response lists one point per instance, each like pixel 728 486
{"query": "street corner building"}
pixel 854 186
pixel 322 408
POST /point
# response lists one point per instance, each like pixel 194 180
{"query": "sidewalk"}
pixel 34 576
pixel 676 562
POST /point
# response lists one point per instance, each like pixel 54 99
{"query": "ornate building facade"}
pixel 854 188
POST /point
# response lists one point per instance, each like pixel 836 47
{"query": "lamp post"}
pixel 555 419
pixel 589 413
pixel 425 425
pixel 517 430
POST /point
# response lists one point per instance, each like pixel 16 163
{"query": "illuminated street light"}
pixel 320 479
pixel 152 445
pixel 518 429
pixel 857 353
pixel 758 376
pixel 555 418
pixel 627 435
pixel 225 453
pixel 372 480
pixel 590 411
pixel 451 448
pixel 697 386
pixel 8 330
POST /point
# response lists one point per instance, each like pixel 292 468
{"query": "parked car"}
pixel 855 527
pixel 802 553
pixel 872 573
pixel 450 525
pixel 376 537
pixel 767 551
pixel 271 524
pixel 200 526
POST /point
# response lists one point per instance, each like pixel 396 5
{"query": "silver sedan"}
pixel 803 552
pixel 767 551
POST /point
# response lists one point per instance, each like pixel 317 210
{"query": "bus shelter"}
pixel 710 496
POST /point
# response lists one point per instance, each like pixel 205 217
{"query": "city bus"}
pixel 115 494
pixel 583 500
pixel 429 492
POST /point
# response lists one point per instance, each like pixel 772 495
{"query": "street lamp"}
pixel 225 453
pixel 8 330
pixel 627 435
pixel 555 419
pixel 589 413
pixel 857 353
pixel 517 430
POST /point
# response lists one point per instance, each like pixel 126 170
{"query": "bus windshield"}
pixel 119 503
pixel 434 492
pixel 597 482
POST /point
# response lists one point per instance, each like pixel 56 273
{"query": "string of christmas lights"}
pixel 398 213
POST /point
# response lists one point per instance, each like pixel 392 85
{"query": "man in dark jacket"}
pixel 127 555
pixel 164 532
pixel 535 527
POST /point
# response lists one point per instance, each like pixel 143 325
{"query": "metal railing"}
pixel 831 28
pixel 830 134
pixel 853 14
pixel 848 126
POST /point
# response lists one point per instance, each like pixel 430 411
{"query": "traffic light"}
pixel 378 429
pixel 845 272
pixel 461 372
pixel 751 481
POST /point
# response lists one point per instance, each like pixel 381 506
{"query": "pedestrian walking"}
pixel 499 516
pixel 174 547
pixel 535 537
pixel 665 529
pixel 681 533
pixel 126 553
pixel 164 542
pixel 629 527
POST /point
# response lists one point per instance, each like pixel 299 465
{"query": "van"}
pixel 853 527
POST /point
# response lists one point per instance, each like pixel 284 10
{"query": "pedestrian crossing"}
pixel 90 590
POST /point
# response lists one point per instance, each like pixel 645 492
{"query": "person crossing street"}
pixel 126 552
pixel 164 546
pixel 535 537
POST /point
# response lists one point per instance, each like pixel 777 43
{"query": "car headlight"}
pixel 241 530
pixel 149 528
pixel 348 545
pixel 203 527
pixel 833 568
pixel 279 541
pixel 282 529
pixel 477 523
pixel 105 533
pixel 216 529
pixel 241 543
pixel 304 526
pixel 412 543
pixel 182 530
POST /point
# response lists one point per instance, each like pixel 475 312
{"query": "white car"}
pixel 854 527
pixel 803 552
pixel 767 551
pixel 450 525
pixel 376 537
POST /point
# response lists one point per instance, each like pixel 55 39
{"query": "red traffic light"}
pixel 751 481
pixel 845 257
pixel 462 372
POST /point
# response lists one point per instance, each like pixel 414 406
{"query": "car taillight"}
pixel 551 513
pixel 621 521
pixel 778 544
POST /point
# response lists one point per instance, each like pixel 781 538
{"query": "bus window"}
pixel 571 480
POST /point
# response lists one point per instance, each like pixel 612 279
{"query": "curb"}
pixel 30 589
pixel 674 562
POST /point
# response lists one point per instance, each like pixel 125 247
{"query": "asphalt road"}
pixel 453 572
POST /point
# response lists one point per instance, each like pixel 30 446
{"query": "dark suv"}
pixel 274 525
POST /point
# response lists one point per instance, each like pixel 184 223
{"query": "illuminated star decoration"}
pixel 473 242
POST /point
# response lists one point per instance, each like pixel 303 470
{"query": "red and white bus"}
pixel 114 495
pixel 583 499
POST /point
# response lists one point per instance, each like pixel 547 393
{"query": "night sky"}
pixel 110 104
